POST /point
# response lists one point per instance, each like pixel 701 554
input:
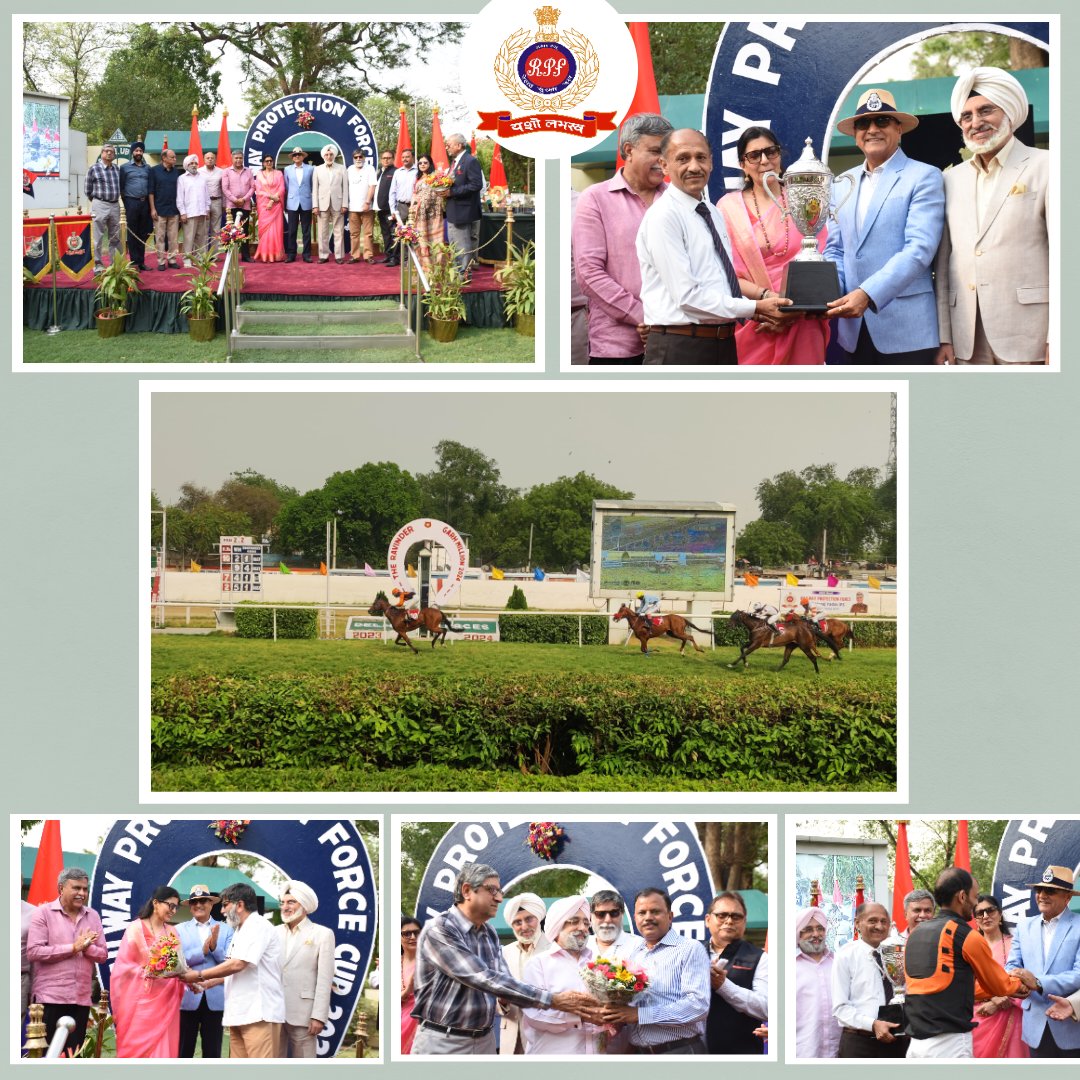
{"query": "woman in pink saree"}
pixel 410 932
pixel 763 242
pixel 999 1019
pixel 147 1008
pixel 270 200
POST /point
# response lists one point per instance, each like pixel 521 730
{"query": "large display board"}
pixel 682 551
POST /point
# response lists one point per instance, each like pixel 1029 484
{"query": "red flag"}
pixel 645 97
pixel 902 884
pixel 963 852
pixel 833 581
pixel 224 151
pixel 47 866
pixel 403 141
pixel 859 898
pixel 439 157
pixel 472 145
pixel 498 173
pixel 194 142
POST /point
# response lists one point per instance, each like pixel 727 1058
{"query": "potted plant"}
pixel 114 284
pixel 443 300
pixel 199 303
pixel 518 279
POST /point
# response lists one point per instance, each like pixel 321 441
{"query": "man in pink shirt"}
pixel 603 236
pixel 237 188
pixel 65 941
pixel 817 1034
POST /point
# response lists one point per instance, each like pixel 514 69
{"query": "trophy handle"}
pixel 851 191
pixel 784 211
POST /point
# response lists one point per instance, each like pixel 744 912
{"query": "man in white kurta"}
pixel 548 1031
pixel 817 1034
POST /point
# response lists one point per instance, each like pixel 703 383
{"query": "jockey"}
pixel 814 617
pixel 403 596
pixel 769 613
pixel 647 604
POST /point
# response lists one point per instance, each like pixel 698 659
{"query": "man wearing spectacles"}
pixel 610 940
pixel 205 942
pixel 919 907
pixel 1048 945
pixel 739 978
pixel 884 242
pixel 460 971
pixel 523 914
pixel 307 970
pixel 993 267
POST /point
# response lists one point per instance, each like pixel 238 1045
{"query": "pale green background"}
pixel 993 525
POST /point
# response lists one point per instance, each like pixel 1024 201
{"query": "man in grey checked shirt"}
pixel 460 971
pixel 102 188
pixel 670 1014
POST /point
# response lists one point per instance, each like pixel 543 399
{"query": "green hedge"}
pixel 553 629
pixel 841 737
pixel 868 635
pixel 258 622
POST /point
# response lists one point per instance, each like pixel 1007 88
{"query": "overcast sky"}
pixel 710 446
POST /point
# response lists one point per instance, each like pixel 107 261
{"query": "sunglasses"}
pixel 727 916
pixel 770 152
pixel 1048 889
pixel 982 913
pixel 880 122
pixel 601 915
pixel 410 933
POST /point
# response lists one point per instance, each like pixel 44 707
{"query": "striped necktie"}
pixel 702 211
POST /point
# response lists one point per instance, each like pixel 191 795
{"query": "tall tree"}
pixel 194 533
pixel 346 58
pixel 65 58
pixel 734 850
pixel 682 55
pixel 945 55
pixel 258 496
pixel 152 83
pixel 770 543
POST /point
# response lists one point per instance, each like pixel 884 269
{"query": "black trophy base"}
pixel 810 285
pixel 894 1014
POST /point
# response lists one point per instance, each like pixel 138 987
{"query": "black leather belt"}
pixel 466 1033
pixel 113 202
pixel 670 1047
pixel 713 331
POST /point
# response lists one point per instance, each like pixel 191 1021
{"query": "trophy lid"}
pixel 808 163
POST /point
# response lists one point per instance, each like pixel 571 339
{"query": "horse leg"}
pixel 811 655
pixel 787 655
pixel 404 637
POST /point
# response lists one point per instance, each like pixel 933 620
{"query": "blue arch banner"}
pixel 793 76
pixel 139 854
pixel 338 120
pixel 631 855
pixel 1028 847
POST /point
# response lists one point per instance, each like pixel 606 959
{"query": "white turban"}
pixel 331 147
pixel 808 915
pixel 302 894
pixel 190 158
pixel 560 911
pixel 527 901
pixel 998 87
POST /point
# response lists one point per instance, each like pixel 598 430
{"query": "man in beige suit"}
pixel 523 913
pixel 330 198
pixel 307 969
pixel 993 266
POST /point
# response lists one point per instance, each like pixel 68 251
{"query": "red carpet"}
pixel 293 279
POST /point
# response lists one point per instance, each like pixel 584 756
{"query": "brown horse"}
pixel 789 636
pixel 645 628
pixel 834 634
pixel 405 622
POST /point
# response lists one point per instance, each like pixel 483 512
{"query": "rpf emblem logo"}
pixel 548 66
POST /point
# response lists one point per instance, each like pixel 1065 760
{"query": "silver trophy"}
pixel 810 281
pixel 892 959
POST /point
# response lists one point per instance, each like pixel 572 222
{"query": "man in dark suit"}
pixel 383 210
pixel 463 201
pixel 298 178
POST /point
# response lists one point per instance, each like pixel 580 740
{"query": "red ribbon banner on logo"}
pixel 584 126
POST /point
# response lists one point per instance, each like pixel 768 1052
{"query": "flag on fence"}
pixel 792 579
pixel 73 246
pixel 410 570
pixel 497 574
pixel 833 581
pixel 902 884
pixel 439 158
pixel 283 569
pixel 538 574
pixel 368 572
pixel 873 582
pixel 37 247
pixel 322 569
pixel 195 567
pixel 750 579
pixel 47 865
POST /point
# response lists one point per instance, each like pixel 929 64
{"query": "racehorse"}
pixel 645 628
pixel 405 622
pixel 834 634
pixel 788 635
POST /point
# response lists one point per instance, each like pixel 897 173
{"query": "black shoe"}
pixel 307 258
pixel 290 258
pixel 247 258
pixel 392 262
pixel 162 267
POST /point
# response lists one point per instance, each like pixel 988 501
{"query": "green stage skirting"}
pixel 159 312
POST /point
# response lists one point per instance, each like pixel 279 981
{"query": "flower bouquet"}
pixel 440 180
pixel 406 234
pixel 545 838
pixel 229 829
pixel 613 983
pixel 231 235
pixel 305 120
pixel 166 960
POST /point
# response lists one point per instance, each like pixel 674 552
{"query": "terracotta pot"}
pixel 110 324
pixel 443 329
pixel 525 324
pixel 202 329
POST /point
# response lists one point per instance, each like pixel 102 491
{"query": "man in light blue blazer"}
pixel 298 178
pixel 885 241
pixel 205 943
pixel 1049 948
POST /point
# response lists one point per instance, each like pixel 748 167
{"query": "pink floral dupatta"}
pixel 146 1011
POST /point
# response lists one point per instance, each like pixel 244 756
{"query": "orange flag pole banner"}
pixel 902 884
pixel 224 151
pixel 963 850
pixel 47 865
pixel 439 157
pixel 403 140
pixel 646 98
pixel 750 579
pixel 194 142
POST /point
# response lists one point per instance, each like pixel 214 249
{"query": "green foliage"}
pixel 194 533
pixel 258 622
pixel 520 171
pixel 152 82
pixel 553 629
pixel 115 283
pixel 518 279
pixel 64 58
pixel 200 301
pixel 257 496
pixel 945 54
pixel 443 300
pixel 741 732
pixel 682 55
pixel 770 543
pixel 517 601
